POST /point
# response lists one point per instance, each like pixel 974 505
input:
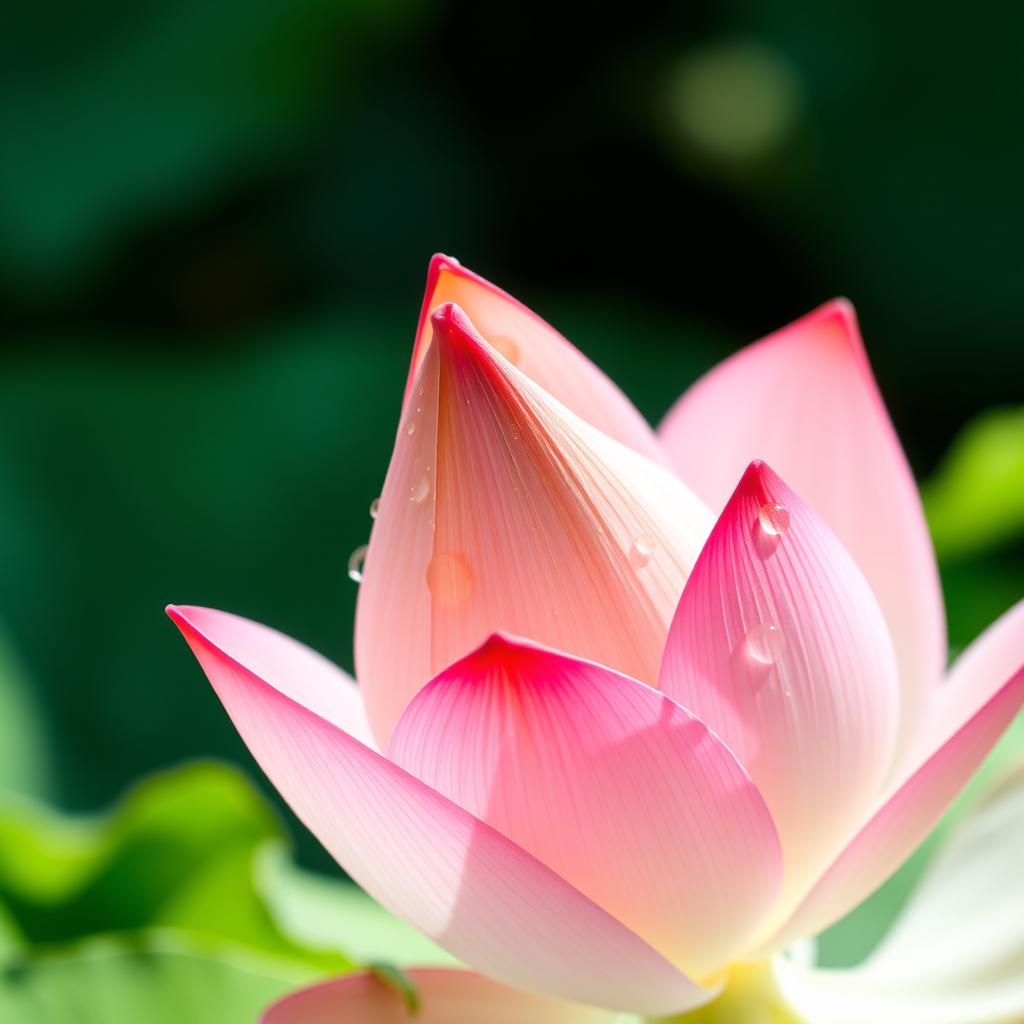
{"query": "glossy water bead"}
pixel 765 643
pixel 774 518
pixel 640 551
pixel 419 491
pixel 355 563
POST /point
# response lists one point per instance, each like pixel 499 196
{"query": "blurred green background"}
pixel 215 221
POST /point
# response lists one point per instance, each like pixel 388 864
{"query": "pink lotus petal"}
pixel 445 997
pixel 905 817
pixel 504 511
pixel 779 645
pixel 476 893
pixel 537 349
pixel 623 793
pixel 975 676
pixel 805 401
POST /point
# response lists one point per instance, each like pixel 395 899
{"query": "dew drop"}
pixel 506 346
pixel 765 643
pixel 355 563
pixel 375 508
pixel 410 427
pixel 419 491
pixel 774 519
pixel 450 579
pixel 640 551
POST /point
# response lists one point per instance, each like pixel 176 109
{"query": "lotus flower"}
pixel 635 711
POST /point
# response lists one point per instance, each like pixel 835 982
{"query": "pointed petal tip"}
pixel 188 619
pixel 457 337
pixel 449 319
pixel 497 644
pixel 184 616
pixel 440 261
pixel 501 646
pixel 176 613
pixel 760 481
pixel 439 264
pixel 840 308
pixel 836 321
pixel 521 654
pixel 535 348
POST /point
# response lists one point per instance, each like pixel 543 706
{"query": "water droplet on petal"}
pixel 765 643
pixel 419 491
pixel 374 508
pixel 410 427
pixel 355 563
pixel 506 346
pixel 774 519
pixel 450 579
pixel 640 551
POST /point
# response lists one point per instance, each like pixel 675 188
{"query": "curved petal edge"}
pixel 443 997
pixel 474 892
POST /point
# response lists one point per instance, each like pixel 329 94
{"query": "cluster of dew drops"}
pixel 764 642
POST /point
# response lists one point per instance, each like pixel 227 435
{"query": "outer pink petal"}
pixel 504 511
pixel 905 818
pixel 608 782
pixel 537 349
pixel 445 997
pixel 475 892
pixel 805 401
pixel 779 645
pixel 975 676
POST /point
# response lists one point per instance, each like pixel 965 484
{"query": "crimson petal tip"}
pixel 839 309
pixel 449 320
pixel 759 481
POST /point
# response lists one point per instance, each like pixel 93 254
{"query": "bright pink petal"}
pixel 620 791
pixel 504 511
pixel 475 892
pixel 805 401
pixel 537 349
pixel 445 997
pixel 905 818
pixel 779 645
